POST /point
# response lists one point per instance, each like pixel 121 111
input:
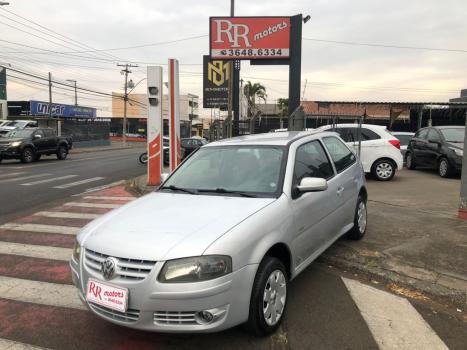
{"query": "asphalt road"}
pixel 28 187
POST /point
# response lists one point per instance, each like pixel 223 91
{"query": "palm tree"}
pixel 253 92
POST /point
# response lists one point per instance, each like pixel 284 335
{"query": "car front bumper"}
pixel 171 307
pixel 10 153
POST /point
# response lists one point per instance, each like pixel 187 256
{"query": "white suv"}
pixel 380 151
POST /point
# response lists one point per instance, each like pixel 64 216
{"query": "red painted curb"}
pixel 462 214
pixel 47 239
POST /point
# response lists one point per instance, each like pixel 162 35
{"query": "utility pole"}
pixel 125 71
pixel 50 95
pixel 231 78
pixel 76 92
pixel 463 199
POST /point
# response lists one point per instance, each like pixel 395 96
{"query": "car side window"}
pixel 345 134
pixel 39 133
pixel 339 152
pixel 368 135
pixel 311 161
pixel 433 135
pixel 421 134
pixel 49 133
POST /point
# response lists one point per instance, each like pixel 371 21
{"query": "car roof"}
pixel 282 138
pixel 448 126
pixel 352 125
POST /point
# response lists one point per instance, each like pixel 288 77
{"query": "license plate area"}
pixel 107 295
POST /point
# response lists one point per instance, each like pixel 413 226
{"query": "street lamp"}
pixel 76 92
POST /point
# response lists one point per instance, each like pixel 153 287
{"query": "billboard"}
pixel 249 37
pixel 60 110
pixel 216 75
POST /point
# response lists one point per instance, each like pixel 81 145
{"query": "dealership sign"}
pixel 249 37
pixel 61 110
pixel 216 75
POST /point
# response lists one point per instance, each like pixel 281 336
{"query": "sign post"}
pixel 155 128
pixel 174 114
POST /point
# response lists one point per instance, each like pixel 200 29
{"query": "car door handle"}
pixel 340 190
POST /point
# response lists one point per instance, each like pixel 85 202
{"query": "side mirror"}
pixel 312 184
pixel 164 176
pixel 36 137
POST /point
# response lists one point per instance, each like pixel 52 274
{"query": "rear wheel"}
pixel 409 161
pixel 444 168
pixel 360 220
pixel 383 170
pixel 27 155
pixel 268 297
pixel 143 158
pixel 62 153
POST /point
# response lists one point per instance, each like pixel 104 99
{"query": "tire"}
pixel 27 155
pixel 444 168
pixel 383 170
pixel 62 153
pixel 360 220
pixel 410 161
pixel 143 158
pixel 265 293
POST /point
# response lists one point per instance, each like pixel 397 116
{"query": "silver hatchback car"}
pixel 218 243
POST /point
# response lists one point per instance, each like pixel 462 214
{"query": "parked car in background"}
pixel 192 144
pixel 404 138
pixel 380 151
pixel 29 145
pixel 166 150
pixel 16 124
pixel 288 196
pixel 438 147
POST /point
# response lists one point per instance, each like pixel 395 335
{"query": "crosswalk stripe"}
pixel 48 180
pixel 77 183
pixel 66 230
pixel 92 205
pixel 111 198
pixel 44 293
pixel 392 320
pixel 23 178
pixel 6 344
pixel 66 215
pixel 12 174
pixel 35 251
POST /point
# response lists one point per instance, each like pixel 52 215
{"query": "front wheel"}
pixel 410 161
pixel 383 170
pixel 143 158
pixel 444 168
pixel 268 297
pixel 360 220
pixel 62 153
pixel 27 156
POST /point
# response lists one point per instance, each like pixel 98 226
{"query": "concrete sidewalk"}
pixel 114 146
pixel 414 238
pixel 414 242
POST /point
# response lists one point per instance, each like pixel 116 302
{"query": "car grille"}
pixel 130 316
pixel 130 269
pixel 174 317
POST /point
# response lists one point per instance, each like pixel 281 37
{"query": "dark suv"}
pixel 30 144
pixel 439 147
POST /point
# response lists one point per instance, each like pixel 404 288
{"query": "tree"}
pixel 253 92
pixel 283 105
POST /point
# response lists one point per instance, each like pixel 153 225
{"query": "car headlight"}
pixel 76 251
pixel 457 151
pixel 195 269
pixel 15 144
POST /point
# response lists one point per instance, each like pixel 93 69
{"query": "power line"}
pixel 353 43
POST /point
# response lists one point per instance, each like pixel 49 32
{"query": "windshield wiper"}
pixel 175 188
pixel 223 190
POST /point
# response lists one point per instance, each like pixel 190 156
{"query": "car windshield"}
pixel 19 133
pixel 453 134
pixel 15 124
pixel 404 138
pixel 242 169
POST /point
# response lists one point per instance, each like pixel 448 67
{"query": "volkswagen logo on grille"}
pixel 108 267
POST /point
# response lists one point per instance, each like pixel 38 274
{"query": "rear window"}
pixel 339 152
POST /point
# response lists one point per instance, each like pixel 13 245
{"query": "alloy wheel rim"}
pixel 28 155
pixel 443 168
pixel 361 217
pixel 384 170
pixel 274 297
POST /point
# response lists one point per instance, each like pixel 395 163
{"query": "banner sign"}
pixel 216 74
pixel 2 83
pixel 60 110
pixel 249 37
